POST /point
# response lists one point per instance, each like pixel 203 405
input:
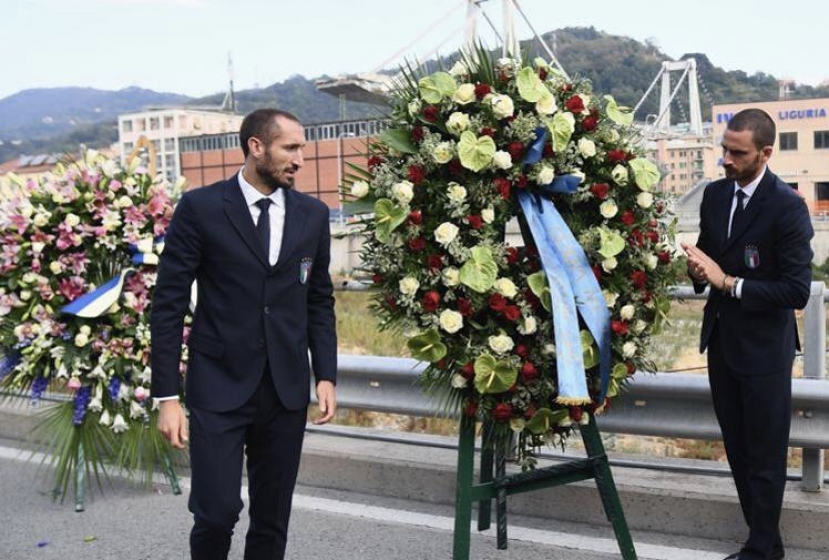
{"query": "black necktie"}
pixel 263 224
pixel 739 212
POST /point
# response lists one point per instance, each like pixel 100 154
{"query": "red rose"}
pixel 617 156
pixel 502 412
pixel 575 413
pixel 374 161
pixel 390 301
pixel 465 307
pixel 653 236
pixel 521 181
pixel 454 167
pixel 416 174
pixel 417 244
pixel 516 150
pixel 434 262
pixel 497 302
pixel 528 372
pixel 511 313
pixel 619 327
pixel 468 371
pixel 630 367
pixel 639 278
pixel 627 218
pixel 503 186
pixel 530 412
pixel 470 409
pixel 542 74
pixel 475 222
pixel 589 123
pixel 415 218
pixel 664 257
pixel 417 134
pixel 378 278
pixel 512 255
pixel 547 151
pixel 575 104
pixel 430 301
pixel 482 90
pixel 600 190
pixel 636 238
pixel 521 350
pixel 597 272
pixel 430 113
pixel 487 131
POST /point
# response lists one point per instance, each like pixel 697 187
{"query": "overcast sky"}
pixel 182 46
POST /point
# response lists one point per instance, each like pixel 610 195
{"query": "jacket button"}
pixel 267 310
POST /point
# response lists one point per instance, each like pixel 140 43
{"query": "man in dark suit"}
pixel 753 252
pixel 259 252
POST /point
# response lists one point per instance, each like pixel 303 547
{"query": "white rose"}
pixel 72 220
pixel 359 189
pixel 457 123
pixel 459 381
pixel 26 295
pixel 408 286
pixel 587 147
pixel 627 312
pixel 502 105
pixel 651 262
pixel 609 264
pixel 502 160
pixel 506 288
pixel 629 349
pixel 123 202
pixel 608 208
pixel 414 107
pixel 644 199
pixel 450 320
pixel 546 175
pixel 451 276
pixel 41 219
pixel 638 326
pixel 488 215
pixel 459 69
pixel 464 94
pixel 546 105
pixel 443 153
pixel 81 340
pixel 28 277
pixel 610 298
pixel 403 191
pixel 445 233
pixel 528 325
pixel 456 193
pixel 86 329
pixel 500 343
pixel 620 174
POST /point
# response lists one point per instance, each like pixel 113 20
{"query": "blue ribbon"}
pixel 573 286
pixel 98 301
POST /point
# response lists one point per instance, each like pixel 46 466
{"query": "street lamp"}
pixel 340 171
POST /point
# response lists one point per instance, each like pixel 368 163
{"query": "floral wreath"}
pixel 77 267
pixel 502 328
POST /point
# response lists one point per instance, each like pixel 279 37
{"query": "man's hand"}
pixel 327 401
pixel 172 422
pixel 701 267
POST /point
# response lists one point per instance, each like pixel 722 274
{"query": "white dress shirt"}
pixel 276 213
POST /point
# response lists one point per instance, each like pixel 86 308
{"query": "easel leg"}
pixel 485 506
pixel 463 492
pixel 80 479
pixel 607 489
pixel 501 498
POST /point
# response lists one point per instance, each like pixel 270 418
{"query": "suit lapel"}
pixel 237 212
pixel 754 208
pixel 295 219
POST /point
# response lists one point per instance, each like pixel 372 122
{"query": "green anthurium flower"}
pixel 545 419
pixel 480 271
pixel 494 376
pixel 541 288
pixel 387 216
pixel 619 371
pixel 589 349
pixel 475 152
pixel 611 243
pixel 436 87
pixel 561 126
pixel 398 139
pixel 427 346
pixel 619 115
pixel 530 86
pixel 645 173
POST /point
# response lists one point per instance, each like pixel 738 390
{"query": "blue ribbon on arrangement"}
pixel 573 286
pixel 99 300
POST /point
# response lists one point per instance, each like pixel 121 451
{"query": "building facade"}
pixel 155 134
pixel 801 152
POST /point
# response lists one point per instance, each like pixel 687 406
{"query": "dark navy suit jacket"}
pixel 771 252
pixel 248 312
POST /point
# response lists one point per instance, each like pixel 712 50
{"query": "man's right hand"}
pixel 172 422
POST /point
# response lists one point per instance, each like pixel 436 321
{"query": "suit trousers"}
pixel 271 436
pixel 754 413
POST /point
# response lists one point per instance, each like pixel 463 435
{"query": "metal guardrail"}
pixel 660 404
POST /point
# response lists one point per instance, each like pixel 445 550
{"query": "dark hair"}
pixel 262 124
pixel 762 127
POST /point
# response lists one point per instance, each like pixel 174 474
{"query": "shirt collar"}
pixel 752 186
pixel 252 196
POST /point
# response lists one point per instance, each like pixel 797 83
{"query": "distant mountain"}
pixel 58 119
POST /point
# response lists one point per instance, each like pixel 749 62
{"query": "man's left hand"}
pixel 327 401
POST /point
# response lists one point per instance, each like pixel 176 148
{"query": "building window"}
pixel 169 144
pixel 154 123
pixel 127 126
pixel 821 139
pixel 168 122
pixel 788 141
